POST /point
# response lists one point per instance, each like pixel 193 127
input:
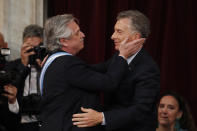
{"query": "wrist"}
pixel 12 101
pixel 24 63
pixel 101 117
pixel 25 60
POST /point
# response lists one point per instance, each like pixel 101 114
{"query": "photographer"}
pixel 4 113
pixel 24 98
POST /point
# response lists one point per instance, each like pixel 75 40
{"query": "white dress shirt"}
pixel 29 88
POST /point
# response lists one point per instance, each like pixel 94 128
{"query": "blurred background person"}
pixel 174 113
pixel 3 101
pixel 24 95
pixel 3 45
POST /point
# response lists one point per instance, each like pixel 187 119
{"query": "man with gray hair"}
pixel 67 83
pixel 132 107
pixel 23 98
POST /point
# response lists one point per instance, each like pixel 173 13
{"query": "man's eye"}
pixel 77 33
pixel 119 31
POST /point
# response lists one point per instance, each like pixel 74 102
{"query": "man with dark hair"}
pixel 132 107
pixel 27 68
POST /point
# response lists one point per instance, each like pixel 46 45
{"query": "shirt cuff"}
pixel 103 122
pixel 14 107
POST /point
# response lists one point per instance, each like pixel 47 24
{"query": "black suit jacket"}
pixel 69 84
pixel 132 107
pixel 13 120
pixel 22 73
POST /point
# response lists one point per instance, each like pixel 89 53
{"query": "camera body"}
pixel 40 53
pixel 4 51
pixel 31 104
pixel 8 77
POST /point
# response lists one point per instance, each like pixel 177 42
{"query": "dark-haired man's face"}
pixel 33 41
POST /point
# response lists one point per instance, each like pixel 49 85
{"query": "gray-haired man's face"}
pixel 76 41
pixel 122 30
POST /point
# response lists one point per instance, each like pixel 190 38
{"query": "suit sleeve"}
pixel 82 76
pixel 103 66
pixel 142 104
pixel 21 74
pixel 9 119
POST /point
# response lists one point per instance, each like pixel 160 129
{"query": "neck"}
pixel 69 51
pixel 165 128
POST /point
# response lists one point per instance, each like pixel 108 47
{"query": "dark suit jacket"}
pixel 22 72
pixel 65 90
pixel 132 107
pixel 8 120
pixel 13 120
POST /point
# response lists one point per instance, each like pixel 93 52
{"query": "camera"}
pixel 31 104
pixel 4 51
pixel 8 77
pixel 40 53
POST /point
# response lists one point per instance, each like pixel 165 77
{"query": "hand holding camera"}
pixel 11 92
pixel 32 51
pixel 8 81
pixel 25 53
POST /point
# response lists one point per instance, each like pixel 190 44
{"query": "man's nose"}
pixel 82 34
pixel 113 36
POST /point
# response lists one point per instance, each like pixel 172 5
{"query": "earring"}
pixel 177 124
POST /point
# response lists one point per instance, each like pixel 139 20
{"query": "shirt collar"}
pixel 129 60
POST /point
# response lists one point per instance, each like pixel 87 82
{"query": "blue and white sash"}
pixel 46 65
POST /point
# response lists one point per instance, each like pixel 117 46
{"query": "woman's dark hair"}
pixel 186 121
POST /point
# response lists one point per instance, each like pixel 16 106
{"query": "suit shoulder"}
pixel 145 62
pixel 67 60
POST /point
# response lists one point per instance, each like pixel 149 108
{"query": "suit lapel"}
pixel 135 61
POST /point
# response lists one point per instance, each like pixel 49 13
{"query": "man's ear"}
pixel 64 41
pixel 135 36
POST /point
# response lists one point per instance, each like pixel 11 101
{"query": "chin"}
pixel 116 48
pixel 164 122
pixel 82 47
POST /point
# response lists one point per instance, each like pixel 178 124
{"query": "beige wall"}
pixel 14 16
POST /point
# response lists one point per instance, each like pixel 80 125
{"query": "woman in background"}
pixel 174 114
